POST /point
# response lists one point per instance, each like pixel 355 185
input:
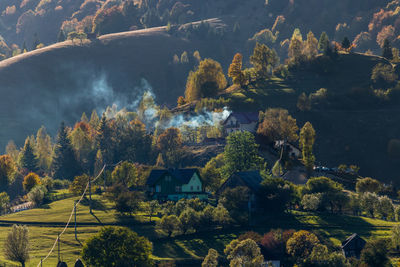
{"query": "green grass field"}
pixel 45 223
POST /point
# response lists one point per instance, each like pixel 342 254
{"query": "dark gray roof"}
pixel 351 238
pixel 244 117
pixel 183 175
pixel 252 179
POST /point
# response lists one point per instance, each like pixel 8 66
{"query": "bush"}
pixel 37 195
pixel 311 202
pixel 48 182
pixel 60 184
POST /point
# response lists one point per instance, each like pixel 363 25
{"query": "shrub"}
pixel 37 194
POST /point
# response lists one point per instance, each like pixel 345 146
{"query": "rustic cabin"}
pixel 175 184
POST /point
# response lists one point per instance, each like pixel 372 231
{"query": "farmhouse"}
pixel 241 121
pixel 353 246
pixel 250 179
pixel 292 150
pixel 175 184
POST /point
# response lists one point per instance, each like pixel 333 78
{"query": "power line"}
pixel 73 211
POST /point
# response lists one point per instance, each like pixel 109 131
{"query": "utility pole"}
pixel 76 235
pixel 59 247
pixel 90 195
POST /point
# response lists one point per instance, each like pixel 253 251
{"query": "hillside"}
pixel 45 223
pixel 66 79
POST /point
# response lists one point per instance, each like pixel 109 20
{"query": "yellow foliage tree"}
pixel 235 70
pixel 30 181
pixel 206 81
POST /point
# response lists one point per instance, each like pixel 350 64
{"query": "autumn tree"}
pixel 244 253
pixel 44 149
pixel 235 70
pixel 277 124
pixel 7 171
pixel 65 165
pixel 12 150
pixel 206 81
pixel 241 153
pixel 83 143
pixel 301 244
pixel 28 160
pixel 16 245
pixel 310 46
pixel 296 46
pixel 264 59
pixel 306 142
pixel 30 181
pixel 170 144
pixel 211 259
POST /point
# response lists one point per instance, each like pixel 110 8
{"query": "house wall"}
pixel 167 184
pixel 194 185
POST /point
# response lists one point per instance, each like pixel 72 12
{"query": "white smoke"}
pixel 206 118
pixel 102 93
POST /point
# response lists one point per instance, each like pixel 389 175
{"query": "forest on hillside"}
pixel 26 24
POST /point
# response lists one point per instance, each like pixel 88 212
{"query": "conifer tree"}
pixel 104 141
pixel 387 50
pixel 306 142
pixel 28 159
pixel 323 44
pixel 235 70
pixel 65 165
pixel 311 46
pixel 346 43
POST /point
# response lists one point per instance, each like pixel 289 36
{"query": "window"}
pixel 158 188
pixel 168 178
pixel 177 189
pixel 191 188
pixel 198 188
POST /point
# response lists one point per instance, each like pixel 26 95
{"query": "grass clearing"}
pixel 45 223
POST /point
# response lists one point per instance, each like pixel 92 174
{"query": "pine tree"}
pixel 65 165
pixel 235 70
pixel 28 159
pixel 387 50
pixel 346 43
pixel 61 36
pixel 311 46
pixel 306 142
pixel 264 59
pixel 104 141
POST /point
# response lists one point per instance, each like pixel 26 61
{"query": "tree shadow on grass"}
pixel 97 204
